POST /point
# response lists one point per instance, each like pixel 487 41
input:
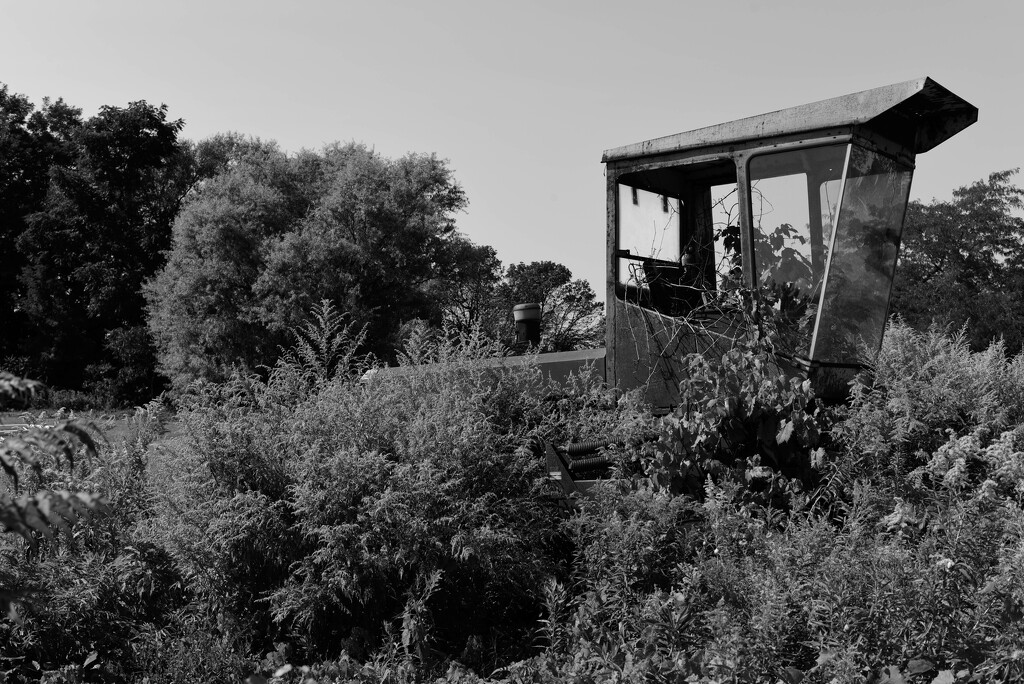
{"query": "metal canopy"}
pixel 917 114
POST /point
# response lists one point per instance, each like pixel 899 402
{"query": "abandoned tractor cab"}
pixel 802 207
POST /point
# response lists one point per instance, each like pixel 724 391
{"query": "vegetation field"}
pixel 266 514
pixel 311 527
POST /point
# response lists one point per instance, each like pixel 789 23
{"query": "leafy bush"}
pixel 341 516
pixel 310 526
pixel 908 574
pixel 27 457
pixel 924 387
pixel 85 595
pixel 740 414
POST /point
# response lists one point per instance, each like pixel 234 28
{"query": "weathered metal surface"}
pixel 849 266
pixel 919 114
pixel 650 349
pixel 556 366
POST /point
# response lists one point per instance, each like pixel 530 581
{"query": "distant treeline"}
pixel 133 258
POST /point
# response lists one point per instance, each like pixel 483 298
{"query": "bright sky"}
pixel 522 97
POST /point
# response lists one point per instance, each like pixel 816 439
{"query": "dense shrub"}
pixel 88 593
pixel 740 415
pixel 312 526
pixel 925 387
pixel 723 592
pixel 909 573
pixel 337 516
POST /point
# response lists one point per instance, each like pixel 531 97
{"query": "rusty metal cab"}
pixel 804 205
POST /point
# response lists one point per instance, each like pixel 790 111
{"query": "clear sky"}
pixel 522 97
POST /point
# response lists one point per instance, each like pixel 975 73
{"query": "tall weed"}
pixel 341 516
pixel 923 388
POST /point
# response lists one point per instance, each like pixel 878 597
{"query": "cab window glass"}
pixel 794 197
pixel 671 235
pixel 863 262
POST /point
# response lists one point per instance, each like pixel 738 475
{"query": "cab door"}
pixel 674 248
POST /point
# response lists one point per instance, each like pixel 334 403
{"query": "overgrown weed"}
pixel 310 525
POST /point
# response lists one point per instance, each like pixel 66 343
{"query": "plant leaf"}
pixel 785 432
pixel 919 665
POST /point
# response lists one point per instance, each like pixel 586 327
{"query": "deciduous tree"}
pixel 572 316
pixel 533 282
pixel 258 244
pixel 962 262
pixel 99 233
pixel 31 141
pixel 467 291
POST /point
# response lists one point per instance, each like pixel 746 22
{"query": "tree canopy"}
pixel 962 262
pixel 572 316
pixel 131 256
pixel 257 245
pixel 31 142
pixel 85 217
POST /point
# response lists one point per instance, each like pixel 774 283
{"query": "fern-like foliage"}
pixel 40 442
pixel 35 515
pixel 326 345
pixel 425 345
pixel 38 515
pixel 16 392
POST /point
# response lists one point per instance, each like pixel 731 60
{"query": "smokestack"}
pixel 527 317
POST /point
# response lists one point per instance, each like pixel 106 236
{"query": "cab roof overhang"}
pixel 918 114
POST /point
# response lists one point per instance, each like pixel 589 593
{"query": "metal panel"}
pixel 650 349
pixel 919 114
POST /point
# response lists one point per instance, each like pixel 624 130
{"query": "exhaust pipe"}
pixel 527 317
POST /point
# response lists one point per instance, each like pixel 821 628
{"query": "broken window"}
pixel 794 196
pixel 675 246
pixel 863 260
